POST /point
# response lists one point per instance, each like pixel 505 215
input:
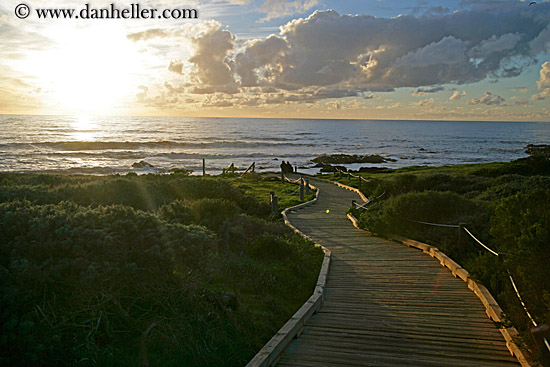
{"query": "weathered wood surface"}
pixel 386 304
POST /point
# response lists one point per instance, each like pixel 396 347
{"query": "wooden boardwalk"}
pixel 386 304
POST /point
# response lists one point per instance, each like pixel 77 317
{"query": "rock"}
pixel 181 171
pixel 538 150
pixel 142 164
pixel 331 168
pixel 347 159
pixel 375 170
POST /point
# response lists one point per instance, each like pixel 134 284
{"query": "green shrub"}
pixel 521 227
pixel 126 271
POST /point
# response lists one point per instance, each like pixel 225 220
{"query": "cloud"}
pixel 148 34
pixel 504 43
pixel 541 44
pixel 210 57
pixel 543 83
pixel 327 55
pixel 260 60
pixel 176 66
pixel 368 52
pixel 488 99
pixel 422 92
pixel 390 107
pixel 457 95
pixel 523 102
pixel 282 8
pixel 424 103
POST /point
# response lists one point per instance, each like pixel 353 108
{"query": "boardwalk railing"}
pixel 272 350
pixel 233 169
pixel 303 189
pixel 539 331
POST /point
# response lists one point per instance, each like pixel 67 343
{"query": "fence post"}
pixel 359 184
pixel 539 333
pixel 274 206
pixel 301 189
pixel 253 166
pixel 307 187
pixel 460 244
pixel 203 167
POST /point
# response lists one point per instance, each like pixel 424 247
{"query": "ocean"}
pixel 110 145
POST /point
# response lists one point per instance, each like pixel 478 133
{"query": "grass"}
pixel 261 186
pixel 145 270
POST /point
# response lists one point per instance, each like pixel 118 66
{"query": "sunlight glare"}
pixel 91 71
pixel 85 128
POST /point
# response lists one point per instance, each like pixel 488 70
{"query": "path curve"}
pixel 387 304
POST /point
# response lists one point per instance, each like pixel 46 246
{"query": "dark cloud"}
pixel 328 49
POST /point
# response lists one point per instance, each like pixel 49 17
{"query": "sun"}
pixel 89 71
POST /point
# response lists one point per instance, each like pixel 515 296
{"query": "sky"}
pixel 360 59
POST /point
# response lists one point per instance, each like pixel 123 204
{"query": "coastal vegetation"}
pixel 505 205
pixel 145 270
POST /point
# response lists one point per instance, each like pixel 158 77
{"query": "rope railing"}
pixel 364 205
pixel 481 243
pixel 232 169
pixel 291 180
pixel 539 331
pixel 433 224
pixel 348 173
pixel 303 190
pixel 516 290
pixel 292 193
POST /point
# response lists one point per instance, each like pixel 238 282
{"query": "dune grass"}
pixel 144 270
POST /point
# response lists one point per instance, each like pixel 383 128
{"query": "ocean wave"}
pixel 147 145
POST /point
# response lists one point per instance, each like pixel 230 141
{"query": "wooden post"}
pixel 274 206
pixel 301 189
pixel 539 333
pixel 253 166
pixel 307 187
pixel 223 172
pixel 296 168
pixel 203 167
pixel 359 183
pixel 460 239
